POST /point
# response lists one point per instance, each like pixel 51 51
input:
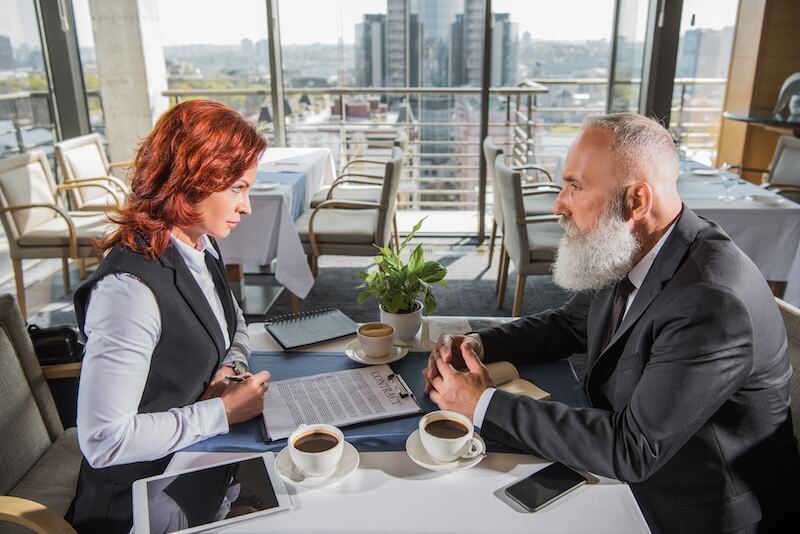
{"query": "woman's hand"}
pixel 218 383
pixel 245 400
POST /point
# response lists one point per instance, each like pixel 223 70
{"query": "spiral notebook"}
pixel 295 330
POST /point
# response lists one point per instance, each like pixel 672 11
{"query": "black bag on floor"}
pixel 57 344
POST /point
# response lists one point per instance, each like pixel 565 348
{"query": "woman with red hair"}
pixel 162 327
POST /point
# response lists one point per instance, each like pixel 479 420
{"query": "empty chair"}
pixel 35 225
pixel 363 182
pixel 538 199
pixel 783 175
pixel 83 160
pixel 350 227
pixel 531 241
pixel 41 460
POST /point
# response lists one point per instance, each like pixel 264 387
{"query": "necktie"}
pixel 623 289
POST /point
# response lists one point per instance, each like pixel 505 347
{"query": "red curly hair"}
pixel 197 148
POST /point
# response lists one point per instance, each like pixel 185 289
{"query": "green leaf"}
pixel 363 297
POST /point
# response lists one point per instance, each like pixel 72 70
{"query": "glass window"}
pixel 26 118
pixel 701 72
pixel 218 50
pixel 569 57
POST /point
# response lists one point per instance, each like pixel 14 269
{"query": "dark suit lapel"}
pixel 662 270
pixel 598 327
pixel 191 292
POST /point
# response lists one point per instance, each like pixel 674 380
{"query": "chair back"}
pixel 28 415
pixel 491 151
pixel 388 201
pixel 81 158
pixel 509 190
pixel 791 317
pixel 25 179
pixel 785 167
pixel 401 141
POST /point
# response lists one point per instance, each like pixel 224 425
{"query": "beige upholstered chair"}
pixel 530 241
pixel 783 175
pixel 538 199
pixel 363 183
pixel 41 460
pixel 83 160
pixel 791 317
pixel 350 227
pixel 36 225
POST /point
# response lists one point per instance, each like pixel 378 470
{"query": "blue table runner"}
pixel 387 435
pixel 297 181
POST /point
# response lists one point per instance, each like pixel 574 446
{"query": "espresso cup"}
pixel 376 339
pixel 316 449
pixel 448 436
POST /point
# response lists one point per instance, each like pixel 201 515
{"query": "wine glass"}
pixel 729 181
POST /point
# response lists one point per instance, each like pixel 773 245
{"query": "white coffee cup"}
pixel 445 442
pixel 307 449
pixel 376 346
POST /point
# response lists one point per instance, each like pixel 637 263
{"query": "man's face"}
pixel 598 248
pixel 589 180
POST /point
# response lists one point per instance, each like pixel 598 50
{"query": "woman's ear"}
pixel 638 200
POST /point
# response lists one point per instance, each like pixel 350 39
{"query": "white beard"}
pixel 598 257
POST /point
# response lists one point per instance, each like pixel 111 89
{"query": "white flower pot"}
pixel 405 325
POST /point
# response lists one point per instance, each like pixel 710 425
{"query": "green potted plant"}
pixel 398 286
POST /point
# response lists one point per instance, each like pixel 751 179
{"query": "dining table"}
pixel 389 492
pixel 286 180
pixel 763 224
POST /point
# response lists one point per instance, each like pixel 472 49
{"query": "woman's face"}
pixel 221 211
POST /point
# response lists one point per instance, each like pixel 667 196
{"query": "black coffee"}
pixel 316 442
pixel 446 428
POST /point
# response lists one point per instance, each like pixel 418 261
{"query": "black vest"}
pixel 187 354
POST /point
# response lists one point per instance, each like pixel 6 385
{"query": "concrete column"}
pixel 130 64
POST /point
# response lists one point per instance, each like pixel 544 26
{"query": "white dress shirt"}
pixel 119 348
pixel 636 276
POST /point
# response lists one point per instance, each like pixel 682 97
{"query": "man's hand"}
pixel 449 349
pixel 218 382
pixel 245 400
pixel 460 390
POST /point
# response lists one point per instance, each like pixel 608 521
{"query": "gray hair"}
pixel 641 145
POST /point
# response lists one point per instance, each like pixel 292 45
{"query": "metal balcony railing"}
pixel 535 122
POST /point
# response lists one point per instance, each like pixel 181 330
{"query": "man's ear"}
pixel 638 200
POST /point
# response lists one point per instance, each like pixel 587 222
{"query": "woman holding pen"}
pixel 163 331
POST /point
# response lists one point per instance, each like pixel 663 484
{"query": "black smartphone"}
pixel 544 486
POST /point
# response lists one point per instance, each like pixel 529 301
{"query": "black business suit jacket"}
pixel 689 400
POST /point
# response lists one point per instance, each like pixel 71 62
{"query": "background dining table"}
pixel 765 225
pixel 286 180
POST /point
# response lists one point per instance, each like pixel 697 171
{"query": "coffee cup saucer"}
pixel 420 456
pixel 354 351
pixel 289 472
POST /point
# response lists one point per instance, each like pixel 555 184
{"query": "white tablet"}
pixel 212 496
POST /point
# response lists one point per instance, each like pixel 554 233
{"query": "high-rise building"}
pixel 395 43
pixel 505 46
pixel 371 51
pixel 6 53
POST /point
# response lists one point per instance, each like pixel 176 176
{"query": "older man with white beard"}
pixel 688 376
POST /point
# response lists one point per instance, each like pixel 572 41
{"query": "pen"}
pixel 236 378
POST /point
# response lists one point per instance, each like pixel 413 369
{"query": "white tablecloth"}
pixel 389 493
pixel 269 232
pixel 768 234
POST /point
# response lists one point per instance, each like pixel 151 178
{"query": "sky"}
pixel 326 21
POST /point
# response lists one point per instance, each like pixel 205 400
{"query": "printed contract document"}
pixel 340 398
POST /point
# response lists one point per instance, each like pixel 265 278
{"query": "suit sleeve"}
pixel 701 355
pixel 547 336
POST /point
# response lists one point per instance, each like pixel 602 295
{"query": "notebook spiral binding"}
pixel 288 317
